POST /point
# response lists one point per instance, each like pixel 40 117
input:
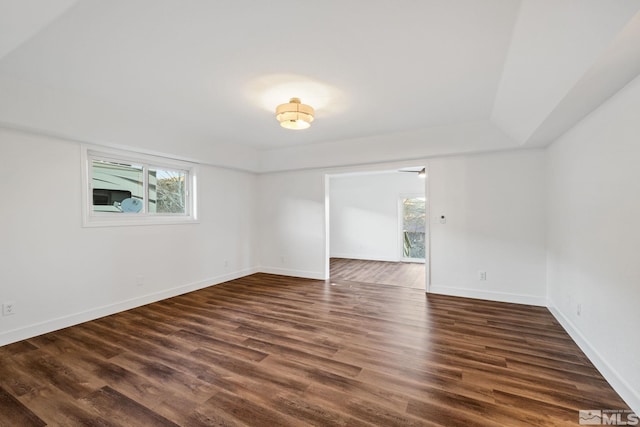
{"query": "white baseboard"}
pixel 106 310
pixel 488 295
pixel 617 381
pixel 366 257
pixel 293 273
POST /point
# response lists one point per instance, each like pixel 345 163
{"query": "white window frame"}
pixel 109 219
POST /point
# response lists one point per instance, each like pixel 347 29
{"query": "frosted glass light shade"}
pixel 294 115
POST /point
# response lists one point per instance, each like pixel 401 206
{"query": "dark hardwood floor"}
pixel 406 274
pixel 269 350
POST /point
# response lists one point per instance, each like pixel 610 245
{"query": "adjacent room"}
pixel 363 213
pixel 377 228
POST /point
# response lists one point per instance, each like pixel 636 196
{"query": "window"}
pixel 122 188
pixel 413 227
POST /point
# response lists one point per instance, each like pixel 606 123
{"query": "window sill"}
pixel 99 221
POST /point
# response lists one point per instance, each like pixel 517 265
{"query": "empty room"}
pixel 356 213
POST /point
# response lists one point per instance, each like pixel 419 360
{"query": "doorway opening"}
pixel 376 227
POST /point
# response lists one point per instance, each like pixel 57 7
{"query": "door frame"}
pixel 328 174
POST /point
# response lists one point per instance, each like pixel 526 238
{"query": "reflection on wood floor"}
pixel 269 350
pixel 411 275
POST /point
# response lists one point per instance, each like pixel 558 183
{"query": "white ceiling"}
pixel 201 78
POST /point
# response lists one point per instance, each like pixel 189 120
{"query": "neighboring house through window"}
pixel 125 188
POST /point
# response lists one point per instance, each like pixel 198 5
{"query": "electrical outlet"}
pixel 482 275
pixel 139 280
pixel 8 308
pixel 282 259
pixel 579 309
pixel 226 263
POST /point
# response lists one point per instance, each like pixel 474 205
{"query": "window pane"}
pixel 167 192
pixel 413 227
pixel 117 187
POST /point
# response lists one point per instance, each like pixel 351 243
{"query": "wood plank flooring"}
pixel 406 274
pixel 269 350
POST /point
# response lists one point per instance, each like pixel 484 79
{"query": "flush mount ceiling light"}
pixel 294 114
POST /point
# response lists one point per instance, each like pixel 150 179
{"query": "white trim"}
pixel 294 273
pixel 427 229
pixel 617 381
pixel 489 295
pixel 368 257
pixel 414 260
pixel 399 226
pixel 137 221
pixel 327 225
pixel 47 326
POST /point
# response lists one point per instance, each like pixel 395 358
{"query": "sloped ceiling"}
pixel 557 48
pixel 390 80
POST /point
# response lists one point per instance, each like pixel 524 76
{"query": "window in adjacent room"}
pixel 413 228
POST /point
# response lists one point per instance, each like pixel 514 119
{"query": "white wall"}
pixel 291 220
pixel 495 209
pixel 364 214
pixel 59 273
pixel 494 206
pixel 542 67
pixel 470 137
pixel 594 238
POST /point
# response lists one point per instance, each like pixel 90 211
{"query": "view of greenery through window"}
pixel 414 221
pixel 166 191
